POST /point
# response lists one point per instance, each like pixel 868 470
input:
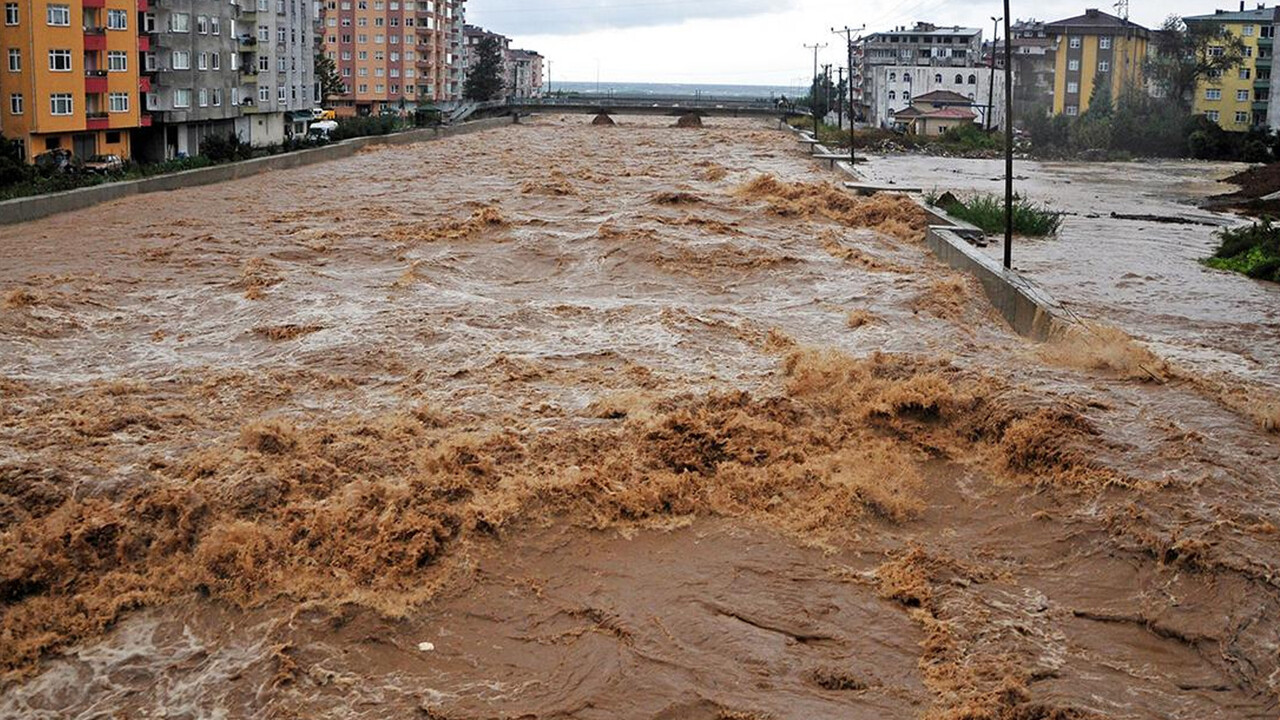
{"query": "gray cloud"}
pixel 571 17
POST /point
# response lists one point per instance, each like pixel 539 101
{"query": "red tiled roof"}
pixel 942 96
pixel 950 114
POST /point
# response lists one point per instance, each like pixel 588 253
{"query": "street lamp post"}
pixel 848 40
pixel 813 87
pixel 991 86
pixel 1008 142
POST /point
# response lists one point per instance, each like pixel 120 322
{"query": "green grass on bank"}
pixel 1253 250
pixel 987 212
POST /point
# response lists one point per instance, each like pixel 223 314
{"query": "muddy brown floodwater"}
pixel 575 421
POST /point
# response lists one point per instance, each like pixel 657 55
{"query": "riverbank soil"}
pixel 1254 184
pixel 576 421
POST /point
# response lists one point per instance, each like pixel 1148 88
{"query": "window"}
pixel 118 102
pixel 203 96
pixel 1215 51
pixel 149 22
pixel 60 60
pixel 182 98
pixel 15 103
pixel 112 137
pixel 1073 43
pixel 280 96
pixel 959 78
pixel 1073 110
pixel 281 34
pixel 117 20
pixel 235 96
pixel 1242 118
pixel 202 24
pixel 264 33
pixel 364 88
pixel 11 18
pixel 149 61
pixel 893 77
pixel 937 78
pixel 264 93
pixel 15 60
pixel 973 79
pixel 179 22
pixel 1244 73
pixel 1104 42
pixel 1212 115
pixel 1242 96
pixel 202 61
pixel 280 64
pixel 216 61
pixel 1247 31
pixel 215 26
pixel 1073 88
pixel 60 104
pixel 1248 51
pixel 117 61
pixel 893 95
pixel 59 15
pixel 217 97
pixel 1212 94
pixel 180 60
pixel 264 63
pixel 1104 66
pixel 1073 65
pixel 377 39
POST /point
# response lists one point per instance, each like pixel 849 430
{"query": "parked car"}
pixel 322 114
pixel 322 129
pixel 57 160
pixel 103 163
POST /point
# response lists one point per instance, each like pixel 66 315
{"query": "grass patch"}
pixel 1253 250
pixel 987 212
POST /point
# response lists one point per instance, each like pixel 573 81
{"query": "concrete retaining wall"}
pixel 32 208
pixel 1028 309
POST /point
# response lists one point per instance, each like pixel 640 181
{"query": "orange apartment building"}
pixel 393 54
pixel 70 77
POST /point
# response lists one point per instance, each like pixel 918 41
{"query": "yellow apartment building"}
pixel 70 77
pixel 1094 48
pixel 1237 99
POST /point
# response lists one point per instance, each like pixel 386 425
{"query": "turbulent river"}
pixel 580 421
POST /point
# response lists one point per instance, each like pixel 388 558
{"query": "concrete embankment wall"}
pixel 32 208
pixel 1028 309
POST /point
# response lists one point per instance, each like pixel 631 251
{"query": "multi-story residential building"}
pixel 71 76
pixel 1033 64
pixel 472 36
pixel 892 88
pixel 923 45
pixel 1095 49
pixel 195 77
pixel 1239 99
pixel 277 70
pixel 526 73
pixel 392 54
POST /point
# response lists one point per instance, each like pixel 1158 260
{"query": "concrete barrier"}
pixel 23 209
pixel 1028 309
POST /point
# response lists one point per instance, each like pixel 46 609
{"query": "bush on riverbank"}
pixel 1253 250
pixel 987 212
pixel 965 140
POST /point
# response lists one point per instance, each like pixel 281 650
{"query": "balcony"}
pixel 95 82
pixel 144 120
pixel 144 43
pixel 95 3
pixel 247 40
pixel 95 39
pixel 144 84
pixel 96 121
pixel 144 5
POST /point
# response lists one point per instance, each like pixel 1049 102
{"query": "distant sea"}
pixel 679 89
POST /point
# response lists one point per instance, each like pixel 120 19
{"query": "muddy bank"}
pixel 676 429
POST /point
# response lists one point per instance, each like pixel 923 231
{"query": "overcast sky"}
pixel 748 42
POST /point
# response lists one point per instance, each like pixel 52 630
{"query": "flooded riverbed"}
pixel 562 420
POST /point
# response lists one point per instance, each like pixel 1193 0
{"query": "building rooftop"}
pixel 1094 19
pixel 929 29
pixel 951 113
pixel 941 97
pixel 1258 14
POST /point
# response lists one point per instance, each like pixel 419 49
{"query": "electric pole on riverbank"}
pixel 839 99
pixel 991 86
pixel 1008 142
pixel 813 87
pixel 849 40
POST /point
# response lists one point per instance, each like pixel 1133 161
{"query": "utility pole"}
pixel 849 40
pixel 813 87
pixel 840 100
pixel 991 86
pixel 1008 142
pixel 826 91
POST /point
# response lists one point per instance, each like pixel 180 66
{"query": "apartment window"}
pixel 395 22
pixel 346 72
pixel 264 33
pixel 235 61
pixel 1074 42
pixel 973 79
pixel 149 22
pixel 1212 115
pixel 264 63
pixel 60 60
pixel 363 72
pixel 346 22
pixel 1073 65
pixel 1242 118
pixel 15 60
pixel 1104 66
pixel 380 88
pixel 332 22
pixel 215 26
pixel 203 96
pixel 395 39
pixel 377 72
pixel 11 18
pixel 1212 94
pixel 1215 51
pixel 1248 51
pixel 281 34
pixel 264 93
pixel 1242 96
pixel 179 22
pixel 216 61
pixel 149 62
pixel 1104 42
pixel 364 87
pixel 280 64
pixel 217 97
pixel 395 72
pixel 362 38
pixel 180 60
pixel 1073 88
pixel 182 97
pixel 60 103
pixel 118 102
pixel 1247 31
pixel 1244 73
pixel 346 54
pixel 280 96
pixel 395 57
pixel 235 96
pixel 117 61
pixel 893 95
pixel 59 15
pixel 362 22
pixel 1073 110
pixel 378 39
pixel 202 61
pixel 117 20
pixel 379 55
pixel 15 103
pixel 202 24
pixel 280 6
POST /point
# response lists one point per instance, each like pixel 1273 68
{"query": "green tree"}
pixel 1186 54
pixel 484 81
pixel 327 76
